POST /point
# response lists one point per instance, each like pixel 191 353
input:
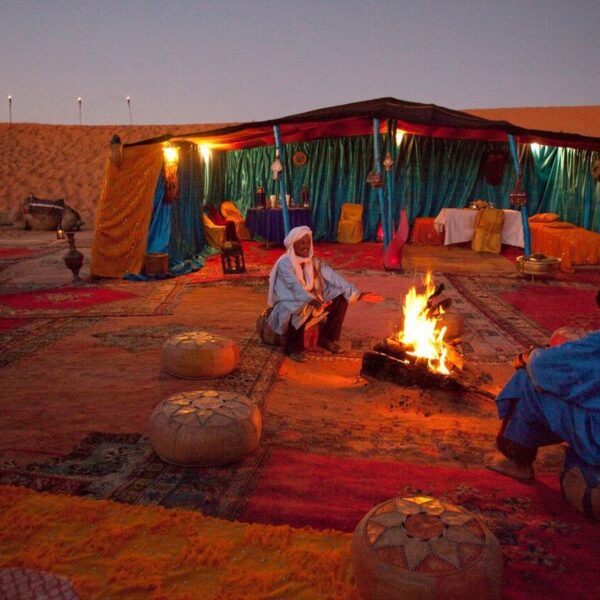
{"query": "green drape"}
pixel 430 174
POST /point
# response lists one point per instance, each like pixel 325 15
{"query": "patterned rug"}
pixel 114 299
pixel 550 551
pixel 528 312
pixel 123 467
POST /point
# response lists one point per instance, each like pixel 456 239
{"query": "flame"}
pixel 420 331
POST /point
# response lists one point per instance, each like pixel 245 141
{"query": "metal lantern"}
pixel 232 258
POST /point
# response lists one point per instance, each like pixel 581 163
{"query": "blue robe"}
pixel 557 398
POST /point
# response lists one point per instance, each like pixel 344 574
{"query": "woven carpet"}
pixel 111 300
pixel 123 467
pixel 550 551
pixel 110 550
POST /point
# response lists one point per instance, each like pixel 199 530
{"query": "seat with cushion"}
pixel 350 227
pixel 215 234
pixel 230 212
pixel 488 230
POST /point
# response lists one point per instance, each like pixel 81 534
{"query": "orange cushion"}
pixel 560 225
pixel 544 218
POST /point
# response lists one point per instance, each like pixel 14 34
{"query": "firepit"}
pixel 418 354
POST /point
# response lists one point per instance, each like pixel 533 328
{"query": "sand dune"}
pixel 64 161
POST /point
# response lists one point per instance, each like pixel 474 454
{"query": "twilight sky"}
pixel 207 61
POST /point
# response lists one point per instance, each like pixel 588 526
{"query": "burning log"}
pixel 391 361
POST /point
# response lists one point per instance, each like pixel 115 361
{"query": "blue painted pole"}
pixel 587 203
pixel 524 216
pixel 389 177
pixel 377 154
pixel 282 186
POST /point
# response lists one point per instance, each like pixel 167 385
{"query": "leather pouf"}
pixel 204 428
pixel 580 485
pixel 199 355
pixel 268 336
pixel 423 548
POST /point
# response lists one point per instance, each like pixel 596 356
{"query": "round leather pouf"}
pixel 580 485
pixel 423 548
pixel 204 428
pixel 199 355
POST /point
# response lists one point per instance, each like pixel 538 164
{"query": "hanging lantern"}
pixel 388 162
pixel 277 166
pixel 171 156
pixel 375 180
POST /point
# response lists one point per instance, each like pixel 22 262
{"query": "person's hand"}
pixel 370 297
pixel 520 361
pixel 316 303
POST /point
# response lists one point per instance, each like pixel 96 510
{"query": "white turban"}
pixel 303 266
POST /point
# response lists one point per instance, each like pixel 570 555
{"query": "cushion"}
pixel 560 225
pixel 422 547
pixel 544 218
pixel 580 485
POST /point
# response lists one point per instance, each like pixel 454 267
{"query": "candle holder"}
pixel 73 258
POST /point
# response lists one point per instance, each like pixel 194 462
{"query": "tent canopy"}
pixel 357 119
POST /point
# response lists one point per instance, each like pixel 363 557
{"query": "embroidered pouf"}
pixel 424 548
pixel 199 355
pixel 204 428
pixel 580 485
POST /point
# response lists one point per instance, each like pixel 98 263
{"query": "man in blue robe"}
pixel 553 397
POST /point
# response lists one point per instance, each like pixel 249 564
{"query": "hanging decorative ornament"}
pixel 299 158
pixel 493 167
pixel 596 169
pixel 518 197
pixel 375 180
pixel 388 162
pixel 277 166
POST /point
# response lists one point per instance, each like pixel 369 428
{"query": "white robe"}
pixel 290 297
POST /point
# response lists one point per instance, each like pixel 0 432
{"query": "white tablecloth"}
pixel 459 224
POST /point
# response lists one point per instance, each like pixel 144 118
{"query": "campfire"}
pixel 418 354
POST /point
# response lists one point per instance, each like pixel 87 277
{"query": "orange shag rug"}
pixel 110 550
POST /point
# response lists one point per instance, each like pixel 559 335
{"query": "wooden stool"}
pixel 580 485
pixel 423 233
pixel 425 548
pixel 204 428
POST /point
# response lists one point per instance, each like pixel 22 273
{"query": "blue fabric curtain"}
pixel 159 232
pixel 187 242
pixel 430 174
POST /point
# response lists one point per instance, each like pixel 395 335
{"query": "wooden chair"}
pixel 350 227
pixel 488 230
pixel 231 212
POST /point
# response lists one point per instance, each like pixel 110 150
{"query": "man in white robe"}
pixel 303 291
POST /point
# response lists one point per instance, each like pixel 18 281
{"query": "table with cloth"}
pixel 267 223
pixel 458 225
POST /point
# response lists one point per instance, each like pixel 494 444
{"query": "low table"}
pixel 267 223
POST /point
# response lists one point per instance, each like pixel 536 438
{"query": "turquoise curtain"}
pixel 430 174
pixel 159 231
pixel 187 233
pixel 214 191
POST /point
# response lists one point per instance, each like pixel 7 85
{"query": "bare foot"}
pixel 505 466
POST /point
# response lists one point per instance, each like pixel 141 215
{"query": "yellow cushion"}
pixel 215 234
pixel 488 230
pixel 561 225
pixel 231 212
pixel 350 227
pixel 544 218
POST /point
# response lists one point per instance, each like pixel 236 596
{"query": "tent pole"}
pixel 524 217
pixel 389 177
pixel 377 156
pixel 282 186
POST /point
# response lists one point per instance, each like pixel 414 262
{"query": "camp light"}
pixel 399 136
pixel 171 156
pixel 204 152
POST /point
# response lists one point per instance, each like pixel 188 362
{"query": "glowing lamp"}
pixel 171 156
pixel 399 136
pixel 205 152
pixel 535 146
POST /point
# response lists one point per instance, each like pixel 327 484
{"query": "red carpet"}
pixel 14 253
pixel 6 324
pixel 554 306
pixel 544 541
pixel 260 260
pixel 63 298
